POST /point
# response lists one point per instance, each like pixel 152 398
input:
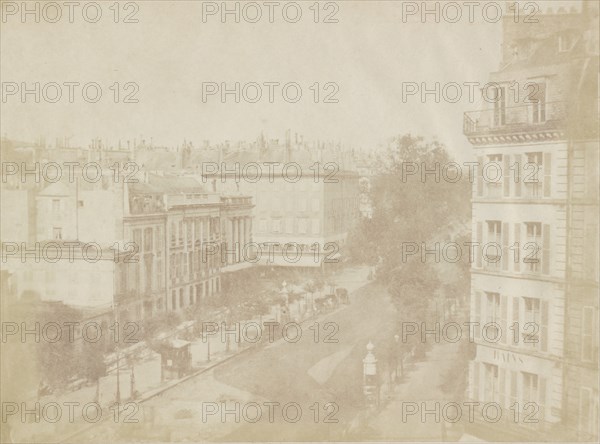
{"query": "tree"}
pixel 411 287
pixel 92 363
pixel 59 358
pixel 408 208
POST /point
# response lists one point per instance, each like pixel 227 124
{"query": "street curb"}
pixel 161 390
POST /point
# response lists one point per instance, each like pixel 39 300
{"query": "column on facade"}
pixel 248 229
pixel 230 241
pixel 242 239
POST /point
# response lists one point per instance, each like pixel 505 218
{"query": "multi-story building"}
pixel 301 216
pixel 237 249
pixel 166 230
pixel 175 224
pixel 534 281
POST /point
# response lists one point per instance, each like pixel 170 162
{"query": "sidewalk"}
pixel 147 376
pixel 422 380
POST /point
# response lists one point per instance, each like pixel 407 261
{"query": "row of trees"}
pixel 53 357
pixel 410 208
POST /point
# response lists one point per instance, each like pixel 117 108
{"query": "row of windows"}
pixel 517 321
pixel 182 265
pixel 527 176
pixel 526 393
pixel 152 238
pixel 535 99
pixel 193 294
pixel 130 274
pixel 288 203
pixel 306 183
pixel 523 323
pixel 290 225
pixel 515 390
pixel 519 247
pixel 198 228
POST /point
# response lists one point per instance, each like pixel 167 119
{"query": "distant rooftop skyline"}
pixel 170 66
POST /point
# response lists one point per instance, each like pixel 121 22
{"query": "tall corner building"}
pixel 534 280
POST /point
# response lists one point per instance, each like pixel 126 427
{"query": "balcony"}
pixel 146 204
pixel 234 200
pixel 526 122
pixel 187 199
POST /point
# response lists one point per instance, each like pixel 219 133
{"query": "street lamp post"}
pixel 285 293
pixel 370 386
pixel 208 349
pixel 118 396
pixel 132 382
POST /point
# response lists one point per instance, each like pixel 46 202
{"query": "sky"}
pixel 367 56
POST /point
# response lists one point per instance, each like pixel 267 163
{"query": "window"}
pixel 492 250
pixel 531 323
pixel 174 300
pixel 289 225
pixel 532 175
pixel 316 226
pixel 491 383
pixel 137 239
pixel 588 411
pixel 205 225
pixel 530 388
pixel 493 307
pixel 57 233
pixel 80 203
pixel 499 98
pixel 159 273
pixel 159 239
pixel 533 389
pixel 148 239
pixel 537 98
pixel 197 225
pixel 494 184
pixel 591 251
pixel 532 247
pixel 302 222
pixel 173 233
pixel 181 298
pixel 276 226
pixel 588 332
pixel 493 316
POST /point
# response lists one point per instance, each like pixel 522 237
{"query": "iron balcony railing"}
pixel 524 118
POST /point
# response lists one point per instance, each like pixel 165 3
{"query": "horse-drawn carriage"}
pixel 333 299
pixel 342 295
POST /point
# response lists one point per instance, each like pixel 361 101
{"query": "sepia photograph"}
pixel 310 221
